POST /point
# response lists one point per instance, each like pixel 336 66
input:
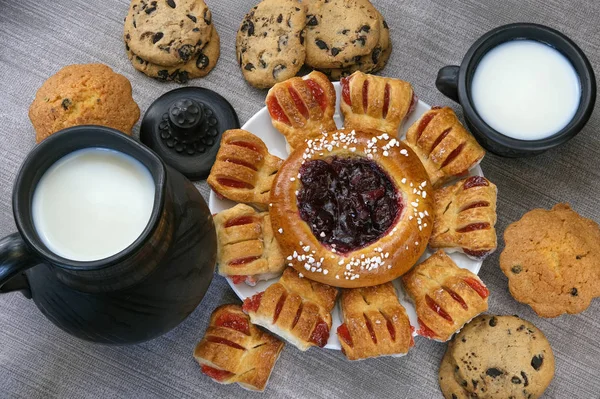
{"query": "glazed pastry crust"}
pixel 244 158
pixel 308 118
pixel 444 146
pixel 445 284
pixel 293 308
pixel 379 114
pixel 252 240
pixel 461 207
pixel 248 355
pixel 376 323
pixel 407 238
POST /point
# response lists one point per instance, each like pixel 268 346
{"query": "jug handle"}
pixel 447 82
pixel 15 258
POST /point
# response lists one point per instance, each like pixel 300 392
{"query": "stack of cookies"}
pixel 344 36
pixel 171 39
pixel 337 37
pixel 497 357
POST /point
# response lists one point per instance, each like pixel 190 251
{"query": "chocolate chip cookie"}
pixel 86 94
pixel 500 357
pixel 370 63
pixel 551 259
pixel 451 389
pixel 340 32
pixel 167 32
pixel 270 42
pixel 197 67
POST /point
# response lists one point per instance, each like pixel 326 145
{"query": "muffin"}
pixel 86 94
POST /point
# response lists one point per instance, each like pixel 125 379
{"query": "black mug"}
pixel 135 295
pixel 455 83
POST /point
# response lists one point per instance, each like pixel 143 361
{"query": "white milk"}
pixel 525 89
pixel 92 204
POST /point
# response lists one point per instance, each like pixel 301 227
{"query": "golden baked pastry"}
pixel 444 146
pixel 234 350
pixel 552 260
pixel 247 249
pixel 374 323
pixel 353 208
pixel 84 94
pixel 295 308
pixel 465 216
pixel 375 102
pixel 302 107
pixel 244 169
pixel 445 296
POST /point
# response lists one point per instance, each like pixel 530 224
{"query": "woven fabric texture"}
pixel 38 360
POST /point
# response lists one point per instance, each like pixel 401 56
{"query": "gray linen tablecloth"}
pixel 38 360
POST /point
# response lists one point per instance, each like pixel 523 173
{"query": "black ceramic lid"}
pixel 184 127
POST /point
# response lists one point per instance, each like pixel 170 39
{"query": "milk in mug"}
pixel 525 89
pixel 92 204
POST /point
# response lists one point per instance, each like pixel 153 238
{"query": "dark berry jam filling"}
pixel 347 202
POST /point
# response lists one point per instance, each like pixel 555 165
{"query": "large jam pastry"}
pixel 445 147
pixel 247 249
pixel 234 350
pixel 295 308
pixel 351 208
pixel 302 107
pixel 465 215
pixel 375 102
pixel 244 169
pixel 446 296
pixel 374 323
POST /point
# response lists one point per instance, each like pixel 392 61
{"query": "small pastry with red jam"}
pixel 465 216
pixel 374 323
pixel 295 308
pixel 353 208
pixel 375 102
pixel 446 296
pixel 445 147
pixel 244 169
pixel 302 107
pixel 234 350
pixel 247 249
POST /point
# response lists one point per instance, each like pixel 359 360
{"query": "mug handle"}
pixel 447 82
pixel 15 258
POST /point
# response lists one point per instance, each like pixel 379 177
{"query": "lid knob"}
pixel 184 128
pixel 185 115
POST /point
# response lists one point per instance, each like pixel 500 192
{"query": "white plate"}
pixel 260 125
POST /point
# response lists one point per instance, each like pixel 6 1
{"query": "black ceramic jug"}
pixel 135 295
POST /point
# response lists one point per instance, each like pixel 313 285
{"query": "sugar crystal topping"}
pixel 354 265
